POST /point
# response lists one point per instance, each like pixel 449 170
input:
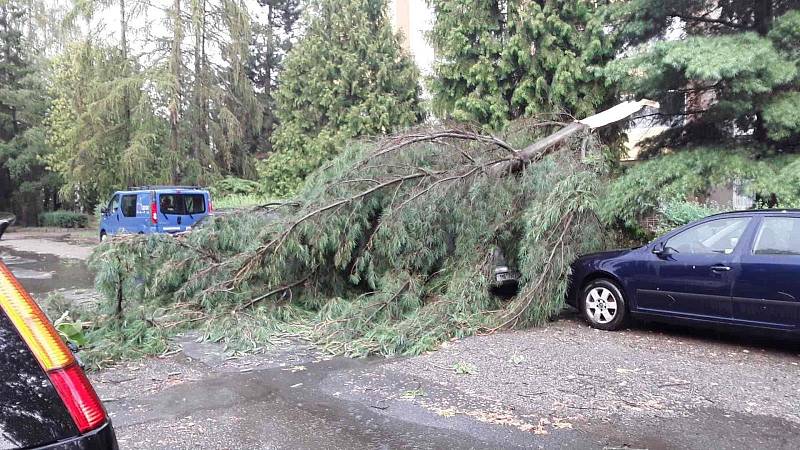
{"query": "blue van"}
pixel 154 209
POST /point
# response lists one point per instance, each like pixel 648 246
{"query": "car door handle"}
pixel 720 268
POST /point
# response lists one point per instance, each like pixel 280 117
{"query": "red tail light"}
pixel 56 360
pixel 153 212
pixel 210 206
pixel 79 397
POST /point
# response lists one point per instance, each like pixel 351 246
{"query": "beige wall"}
pixel 413 19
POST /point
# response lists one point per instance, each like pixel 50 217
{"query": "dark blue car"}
pixel 738 268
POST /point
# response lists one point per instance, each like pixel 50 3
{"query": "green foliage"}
pixel 389 251
pixel 346 77
pixel 661 183
pixel 782 116
pixel 737 71
pixel 785 34
pixel 784 182
pixel 239 201
pixel 70 330
pixel 233 193
pixel 96 148
pixel 500 60
pixel 232 185
pixel 677 213
pixel 63 219
pixel 25 187
pixel 272 40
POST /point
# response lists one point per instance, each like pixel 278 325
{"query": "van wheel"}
pixel 603 305
pixel 103 236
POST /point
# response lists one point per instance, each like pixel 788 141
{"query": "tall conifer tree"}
pixel 734 66
pixel 498 60
pixel 346 77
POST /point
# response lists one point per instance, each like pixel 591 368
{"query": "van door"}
pixel 180 210
pixel 128 222
pixel 110 222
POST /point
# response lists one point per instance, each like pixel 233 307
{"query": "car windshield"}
pixel 182 204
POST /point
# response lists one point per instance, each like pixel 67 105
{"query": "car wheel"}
pixel 103 236
pixel 603 305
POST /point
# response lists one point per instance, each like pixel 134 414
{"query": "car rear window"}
pixel 31 411
pixel 778 236
pixel 182 204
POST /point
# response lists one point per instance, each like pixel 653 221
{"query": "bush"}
pixel 63 219
pixel 678 213
pixel 235 186
pixel 238 201
pixel 672 178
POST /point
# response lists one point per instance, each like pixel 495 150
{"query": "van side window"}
pixel 129 205
pixel 113 205
pixel 778 236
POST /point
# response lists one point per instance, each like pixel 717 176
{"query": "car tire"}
pixel 603 305
pixel 103 236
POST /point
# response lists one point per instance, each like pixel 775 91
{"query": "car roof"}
pixel 759 211
pixel 162 189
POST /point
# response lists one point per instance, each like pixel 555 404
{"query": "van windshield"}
pixel 182 204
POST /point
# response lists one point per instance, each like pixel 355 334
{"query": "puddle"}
pixel 27 274
pixel 41 274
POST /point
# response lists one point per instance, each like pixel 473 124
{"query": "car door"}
pixel 170 211
pixel 128 222
pixel 766 290
pixel 111 218
pixel 691 275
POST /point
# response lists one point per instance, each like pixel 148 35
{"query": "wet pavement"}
pixel 63 243
pixel 43 273
pixel 278 400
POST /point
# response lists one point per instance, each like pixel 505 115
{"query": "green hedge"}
pixel 63 219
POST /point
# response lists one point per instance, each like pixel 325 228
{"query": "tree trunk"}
pixel 762 12
pixel 175 103
pixel 200 104
pixel 126 101
pixel 269 112
pixel 542 147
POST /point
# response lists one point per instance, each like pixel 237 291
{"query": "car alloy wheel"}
pixel 601 305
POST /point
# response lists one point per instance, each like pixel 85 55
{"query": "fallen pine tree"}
pixel 389 249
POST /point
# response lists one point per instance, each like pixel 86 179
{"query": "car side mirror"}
pixel 104 211
pixel 662 249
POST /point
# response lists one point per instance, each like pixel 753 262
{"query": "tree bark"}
pixel 269 116
pixel 762 12
pixel 126 101
pixel 542 147
pixel 175 103
pixel 200 134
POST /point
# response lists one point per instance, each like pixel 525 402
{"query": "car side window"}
pixel 129 205
pixel 113 204
pixel 778 236
pixel 715 236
